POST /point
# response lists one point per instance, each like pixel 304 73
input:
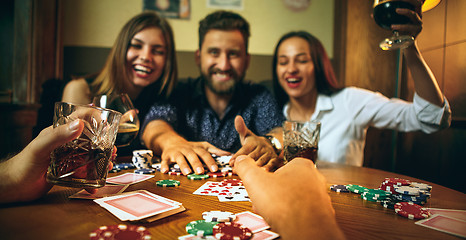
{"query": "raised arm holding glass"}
pixel 306 88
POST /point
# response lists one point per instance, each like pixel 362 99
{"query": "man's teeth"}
pixel 142 69
pixel 221 75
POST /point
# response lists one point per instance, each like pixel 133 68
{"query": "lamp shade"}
pixel 429 4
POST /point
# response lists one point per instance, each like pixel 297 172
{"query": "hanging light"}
pixel 429 4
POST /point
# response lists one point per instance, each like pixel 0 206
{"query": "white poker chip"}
pixel 223 160
pixel 422 186
pixel 409 190
pixel 218 216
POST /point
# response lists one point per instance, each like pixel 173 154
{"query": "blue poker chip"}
pixel 124 166
pixel 339 188
pixel 144 171
pixel 115 170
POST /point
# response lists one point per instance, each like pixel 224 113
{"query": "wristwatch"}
pixel 277 146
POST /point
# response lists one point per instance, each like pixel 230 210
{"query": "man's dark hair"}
pixel 226 21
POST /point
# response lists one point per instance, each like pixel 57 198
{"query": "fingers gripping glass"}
pixel 385 15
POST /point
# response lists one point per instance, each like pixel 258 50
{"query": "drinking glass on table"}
pixel 385 15
pixel 301 139
pixel 84 161
pixel 129 123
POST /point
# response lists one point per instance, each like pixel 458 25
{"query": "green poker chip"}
pixel 197 177
pixel 200 227
pixel 168 183
pixel 356 188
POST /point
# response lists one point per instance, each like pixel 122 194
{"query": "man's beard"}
pixel 222 88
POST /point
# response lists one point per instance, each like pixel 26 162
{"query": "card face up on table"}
pixel 140 206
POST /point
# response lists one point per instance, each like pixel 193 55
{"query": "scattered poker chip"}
pixel 175 173
pixel 422 186
pixel 411 210
pixel 218 216
pixel 231 231
pixel 339 188
pixel 197 176
pixel 168 183
pixel 115 170
pixel 144 171
pixel 124 166
pixel 226 169
pixel 231 182
pixel 121 231
pixel 409 190
pixel 200 227
pixel 217 174
pixel 356 188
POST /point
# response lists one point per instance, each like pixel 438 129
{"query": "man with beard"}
pixel 216 113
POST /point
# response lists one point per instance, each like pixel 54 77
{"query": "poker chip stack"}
pixel 403 190
pixel 401 195
pixel 218 225
pixel 222 162
pixel 142 159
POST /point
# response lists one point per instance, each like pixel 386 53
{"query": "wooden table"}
pixel 57 217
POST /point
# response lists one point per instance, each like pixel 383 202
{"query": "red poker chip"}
pixel 411 210
pixel 216 174
pixel 120 232
pixel 397 181
pixel 389 187
pixel 175 173
pixel 231 231
pixel 232 182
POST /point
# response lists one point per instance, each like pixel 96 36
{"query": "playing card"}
pixel 211 188
pixel 454 213
pixel 445 224
pixel 236 194
pixel 128 178
pixel 264 235
pixel 252 221
pixel 135 206
pixel 157 196
pixel 104 191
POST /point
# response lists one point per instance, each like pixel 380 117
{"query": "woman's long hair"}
pixel 110 80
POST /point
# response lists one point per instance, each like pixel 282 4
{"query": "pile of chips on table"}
pixel 402 195
pixel 222 161
pixel 142 161
pixel 218 225
pixel 121 231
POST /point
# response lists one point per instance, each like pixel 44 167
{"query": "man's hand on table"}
pixel 258 148
pixel 293 199
pixel 191 154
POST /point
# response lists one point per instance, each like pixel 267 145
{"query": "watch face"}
pixel 297 5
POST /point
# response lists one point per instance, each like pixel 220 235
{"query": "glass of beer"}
pixel 301 139
pixel 385 15
pixel 129 123
pixel 83 162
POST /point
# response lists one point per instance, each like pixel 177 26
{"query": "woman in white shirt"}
pixel 305 85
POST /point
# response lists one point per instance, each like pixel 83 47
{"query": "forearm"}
pixel 425 83
pixel 158 134
pixel 7 182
